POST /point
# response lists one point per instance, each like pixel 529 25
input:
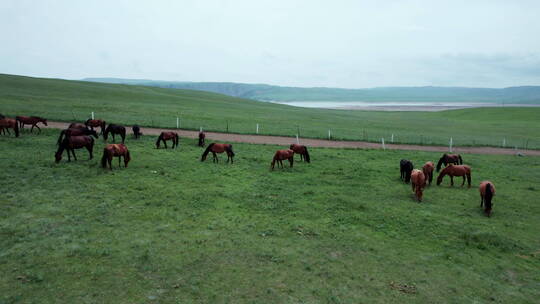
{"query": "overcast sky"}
pixel 353 44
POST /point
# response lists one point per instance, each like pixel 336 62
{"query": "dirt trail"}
pixel 283 140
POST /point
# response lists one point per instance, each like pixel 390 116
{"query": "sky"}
pixel 346 44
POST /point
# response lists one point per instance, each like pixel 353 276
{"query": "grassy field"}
pixel 343 229
pixel 157 107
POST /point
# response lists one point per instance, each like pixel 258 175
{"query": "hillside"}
pixel 263 92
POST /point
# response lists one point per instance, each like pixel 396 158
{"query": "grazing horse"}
pixel 136 131
pixel 70 143
pixel 75 132
pixel 31 120
pixel 405 168
pixel 302 150
pixel 164 136
pixel 447 159
pixel 218 148
pixel 455 170
pixel 280 156
pixel 115 129
pixel 76 125
pixel 112 150
pixel 202 136
pixel 427 169
pixel 9 123
pixel 418 182
pixel 487 191
pixel 94 123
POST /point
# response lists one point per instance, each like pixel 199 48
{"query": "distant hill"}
pixel 264 92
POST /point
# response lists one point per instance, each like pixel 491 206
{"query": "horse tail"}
pixel 307 154
pixel 205 153
pixel 440 163
pixel 230 150
pixel 460 162
pixel 16 129
pixel 158 140
pixel 177 139
pixel 127 158
pixel 104 158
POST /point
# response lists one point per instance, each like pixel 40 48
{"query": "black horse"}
pixel 136 131
pixel 447 159
pixel 75 132
pixel 202 136
pixel 405 168
pixel 115 129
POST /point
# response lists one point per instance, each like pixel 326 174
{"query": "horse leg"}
pixel 119 159
pixel 165 143
pixel 32 128
pixel 90 148
pixel 109 160
pixel 216 159
pixel 113 139
pixel 481 200
pixel 463 183
pixel 39 129
pixel 451 180
pixel 73 152
pixel 123 137
pixel 291 160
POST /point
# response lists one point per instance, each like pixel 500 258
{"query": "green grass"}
pixel 151 106
pixel 343 229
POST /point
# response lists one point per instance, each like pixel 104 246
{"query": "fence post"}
pixel 92 114
pixel 257 128
pixel 329 134
pixel 382 139
pixel 392 138
pixel 227 126
pixel 504 142
pixel 200 129
pixel 297 141
pixel 177 122
pixel 451 142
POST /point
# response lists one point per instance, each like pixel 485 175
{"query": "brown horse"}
pixel 164 136
pixel 455 170
pixel 202 136
pixel 31 120
pixel 75 132
pixel 282 155
pixel 427 169
pixel 9 123
pixel 76 125
pixel 302 150
pixel 487 191
pixel 418 182
pixel 94 123
pixel 447 159
pixel 115 129
pixel 218 148
pixel 112 150
pixel 71 143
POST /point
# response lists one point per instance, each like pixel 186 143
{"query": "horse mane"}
pixel 460 160
pixel 440 162
pixel 205 153
pixel 307 154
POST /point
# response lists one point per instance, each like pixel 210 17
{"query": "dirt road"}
pixel 283 140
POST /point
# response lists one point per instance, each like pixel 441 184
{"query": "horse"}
pixel 218 148
pixel 202 136
pixel 164 136
pixel 280 155
pixel 487 191
pixel 136 131
pixel 9 123
pixel 76 125
pixel 115 129
pixel 30 120
pixel 75 132
pixel 447 159
pixel 427 169
pixel 455 170
pixel 405 168
pixel 112 150
pixel 94 123
pixel 70 143
pixel 418 182
pixel 302 150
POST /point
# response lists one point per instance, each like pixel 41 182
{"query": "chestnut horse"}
pixel 202 136
pixel 136 131
pixel 427 169
pixel 164 136
pixel 94 123
pixel 9 123
pixel 112 150
pixel 418 182
pixel 447 159
pixel 455 170
pixel 75 132
pixel 487 191
pixel 282 155
pixel 218 148
pixel 405 168
pixel 70 143
pixel 76 125
pixel 115 129
pixel 302 150
pixel 30 120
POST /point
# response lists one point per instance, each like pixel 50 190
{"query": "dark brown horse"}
pixel 427 169
pixel 31 120
pixel 9 123
pixel 76 125
pixel 447 159
pixel 281 155
pixel 136 131
pixel 418 182
pixel 487 191
pixel 202 136
pixel 218 148
pixel 74 142
pixel 164 136
pixel 302 150
pixel 115 129
pixel 115 150
pixel 455 170
pixel 75 132
pixel 405 169
pixel 94 123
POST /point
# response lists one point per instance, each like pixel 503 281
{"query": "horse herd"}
pixel 453 167
pixel 79 135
